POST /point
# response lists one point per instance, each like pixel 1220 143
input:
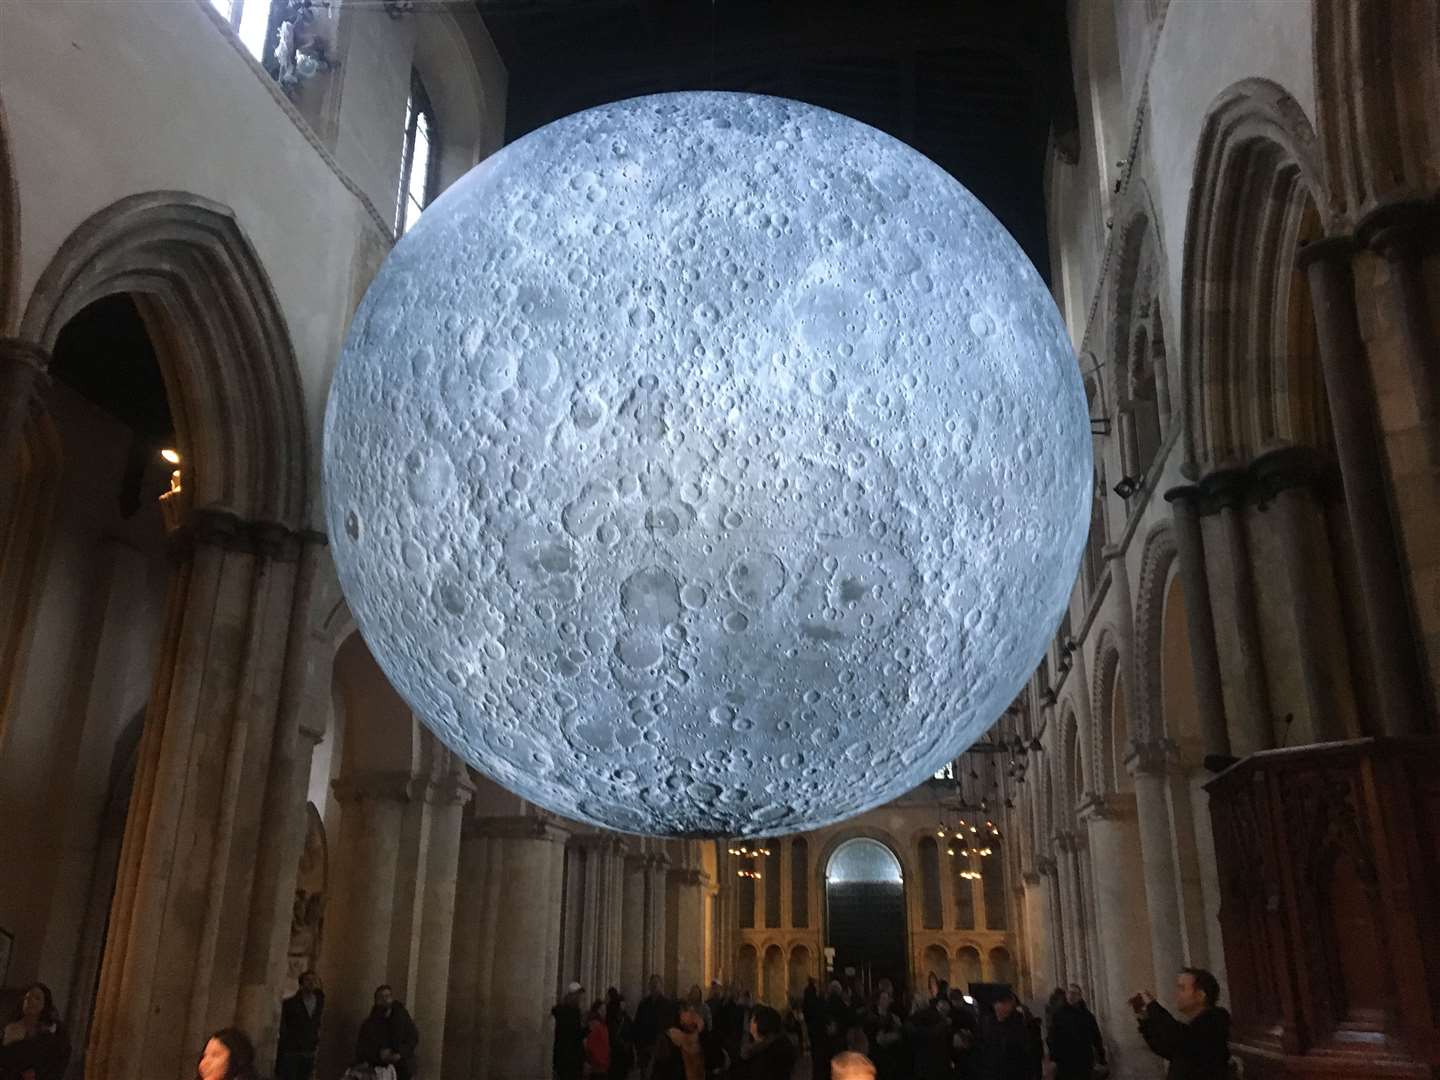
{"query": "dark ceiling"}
pixel 973 84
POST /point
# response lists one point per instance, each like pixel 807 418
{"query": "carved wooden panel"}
pixel 1329 868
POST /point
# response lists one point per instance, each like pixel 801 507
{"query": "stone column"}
pixel 1120 909
pixel 359 921
pixel 1399 232
pixel 431 993
pixel 1149 764
pixel 633 975
pixel 690 928
pixel 1054 921
pixel 1200 620
pixel 1357 441
pixel 657 871
pixel 1230 569
pixel 1285 480
pixel 22 376
pixel 1038 938
pixel 515 1007
pixel 479 897
pixel 181 944
pixel 1072 919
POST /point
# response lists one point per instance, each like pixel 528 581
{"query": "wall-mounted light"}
pixel 170 456
pixel 1128 486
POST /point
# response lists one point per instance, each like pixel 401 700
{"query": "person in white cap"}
pixel 568 1057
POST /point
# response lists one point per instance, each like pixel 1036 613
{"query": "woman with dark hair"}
pixel 34 1043
pixel 229 1055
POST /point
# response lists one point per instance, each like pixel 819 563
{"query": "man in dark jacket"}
pixel 568 1051
pixel 1074 1037
pixel 652 1016
pixel 769 1055
pixel 1004 1051
pixel 300 1017
pixel 1198 1044
pixel 388 1036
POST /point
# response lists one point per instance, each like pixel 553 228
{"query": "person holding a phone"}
pixel 1197 1043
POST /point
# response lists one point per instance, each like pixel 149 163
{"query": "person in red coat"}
pixel 597 1041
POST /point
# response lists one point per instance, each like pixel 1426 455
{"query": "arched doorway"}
pixel 774 989
pixel 800 971
pixel 865 913
pixel 747 973
pixel 936 962
pixel 1002 967
pixel 967 967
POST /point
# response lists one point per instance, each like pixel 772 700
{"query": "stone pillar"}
pixel 1398 232
pixel 608 855
pixel 657 919
pixel 1120 909
pixel 1054 921
pixel 1392 656
pixel 431 992
pixel 1149 764
pixel 1038 938
pixel 514 1009
pixel 1229 568
pixel 689 888
pixel 359 921
pixel 633 975
pixel 22 376
pixel 478 900
pixel 1072 918
pixel 1200 620
pixel 182 942
pixel 1285 480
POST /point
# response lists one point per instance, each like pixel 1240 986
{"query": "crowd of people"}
pixel 938 1033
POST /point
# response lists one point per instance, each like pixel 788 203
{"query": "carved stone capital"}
pixel 1339 249
pixel 397 786
pixel 1286 468
pixel 688 876
pixel 1047 866
pixel 30 354
pixel 1224 489
pixel 1112 807
pixel 220 527
pixel 1154 757
pixel 1032 877
pixel 453 790
pixel 519 827
pixel 1398 229
pixel 1186 494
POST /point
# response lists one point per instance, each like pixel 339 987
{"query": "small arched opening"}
pixel 865 912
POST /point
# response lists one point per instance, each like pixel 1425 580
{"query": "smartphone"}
pixel 1137 1003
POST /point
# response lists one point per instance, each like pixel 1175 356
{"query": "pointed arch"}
pixel 1105 742
pixel 225 351
pixel 1258 192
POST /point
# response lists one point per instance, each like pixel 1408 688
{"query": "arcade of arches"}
pixel 1225 760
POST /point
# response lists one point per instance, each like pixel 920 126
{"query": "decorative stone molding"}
pixel 1032 877
pixel 1047 867
pixel 1156 558
pixel 1286 468
pixel 689 876
pixel 1114 806
pixel 1399 228
pixel 453 790
pixel 15 350
pixel 521 827
pixel 1152 757
pixel 219 527
pixel 396 786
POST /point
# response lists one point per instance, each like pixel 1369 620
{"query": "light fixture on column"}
pixel 172 502
pixel 1128 486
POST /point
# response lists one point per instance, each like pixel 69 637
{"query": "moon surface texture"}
pixel 707 465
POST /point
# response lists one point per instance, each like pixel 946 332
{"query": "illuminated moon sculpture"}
pixel 707 464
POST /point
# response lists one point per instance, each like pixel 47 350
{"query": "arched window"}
pixel 772 887
pixel 745 898
pixel 799 883
pixel 964 889
pixel 930 906
pixel 993 878
pixel 420 152
pixel 255 23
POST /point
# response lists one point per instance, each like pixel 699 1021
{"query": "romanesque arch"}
pixel 1156 560
pixel 1258 193
pixel 1107 742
